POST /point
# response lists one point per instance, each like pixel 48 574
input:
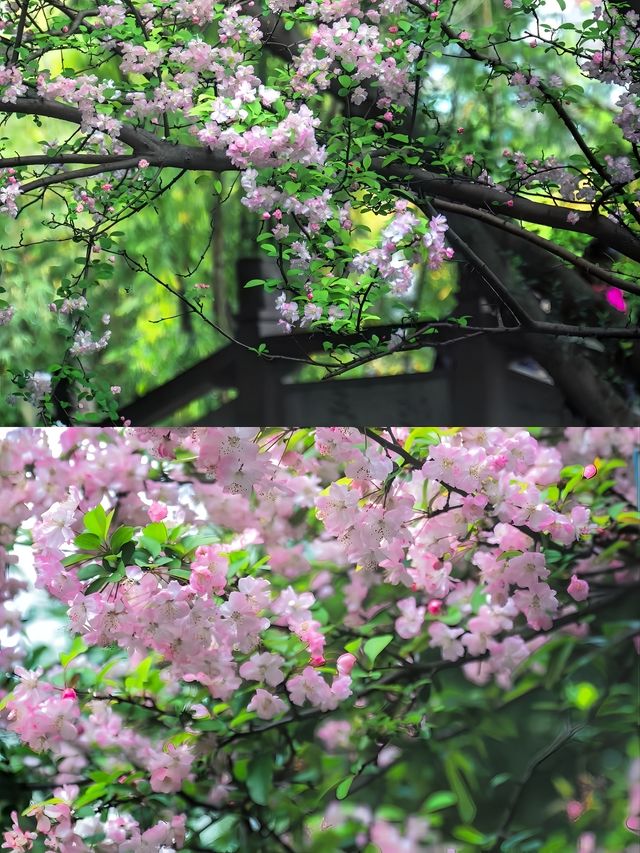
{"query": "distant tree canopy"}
pixel 367 148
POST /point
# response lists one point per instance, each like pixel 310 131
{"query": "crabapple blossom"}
pixel 266 705
pixel 578 589
pixel 410 622
pixel 217 614
pixel 169 769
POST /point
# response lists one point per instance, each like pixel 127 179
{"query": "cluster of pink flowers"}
pixel 57 828
pixel 112 14
pixel 395 261
pixel 10 189
pixel 330 48
pixel 42 716
pixel 459 535
pixel 290 141
pixel 12 85
pixel 386 836
pixel 139 60
pixel 86 91
pixel 83 342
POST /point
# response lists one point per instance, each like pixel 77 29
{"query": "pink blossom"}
pixel 266 705
pixel 410 622
pixel 311 687
pixel 615 298
pixel 157 512
pixel 578 589
pixel 345 664
pixel 574 809
pixel 169 768
pixel 16 838
pixel 264 667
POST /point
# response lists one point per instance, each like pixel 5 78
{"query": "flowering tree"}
pixel 328 112
pixel 320 640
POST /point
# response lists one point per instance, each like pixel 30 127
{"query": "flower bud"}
pixel 345 663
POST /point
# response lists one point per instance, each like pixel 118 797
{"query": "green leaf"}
pixel 156 531
pixel 151 545
pixel 96 522
pixel 466 805
pixel 507 555
pixel 93 792
pixel 52 801
pixel 513 842
pixel 73 559
pixel 217 832
pixel 259 778
pixel 121 536
pixel 181 574
pixel 571 485
pixel 500 779
pixel 440 800
pixel 470 834
pixel 78 647
pixel 95 586
pixel 375 645
pixel 140 675
pixel 90 571
pixel 344 787
pixel 353 647
pixel 88 541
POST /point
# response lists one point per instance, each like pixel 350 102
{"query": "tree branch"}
pixel 553 248
pixel 484 197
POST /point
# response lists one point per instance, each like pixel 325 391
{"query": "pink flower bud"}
pixel 590 471
pixel 157 512
pixel 345 663
pixel 574 809
pixel 69 693
pixel 435 606
pixel 317 660
pixel 578 589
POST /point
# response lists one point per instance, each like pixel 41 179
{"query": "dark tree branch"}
pixel 164 154
pixel 598 272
